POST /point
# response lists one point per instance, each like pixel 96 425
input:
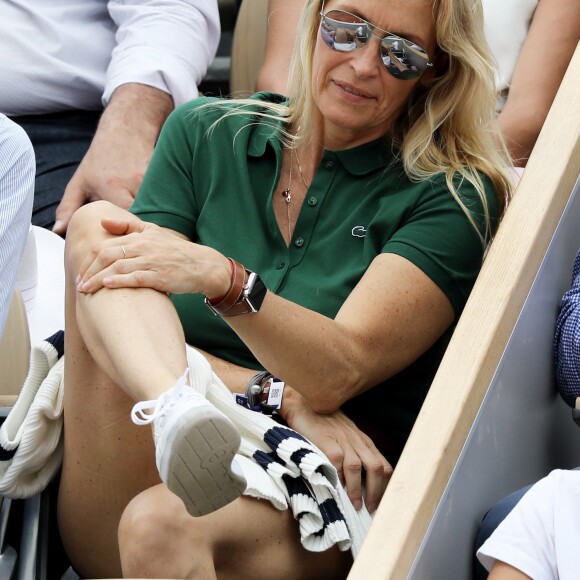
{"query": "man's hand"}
pixel 115 163
pixel 350 451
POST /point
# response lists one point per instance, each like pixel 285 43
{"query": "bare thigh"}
pixel 248 538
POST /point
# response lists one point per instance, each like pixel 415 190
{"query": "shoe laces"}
pixel 145 412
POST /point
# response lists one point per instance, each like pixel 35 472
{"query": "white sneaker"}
pixel 195 444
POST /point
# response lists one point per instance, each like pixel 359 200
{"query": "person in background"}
pixel 530 68
pixel 92 82
pixel 535 531
pixel 17 169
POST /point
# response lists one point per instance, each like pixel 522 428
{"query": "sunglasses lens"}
pixel 344 32
pixel 404 59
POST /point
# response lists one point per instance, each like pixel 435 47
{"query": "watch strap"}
pixel 234 294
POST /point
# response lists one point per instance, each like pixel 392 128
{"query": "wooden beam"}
pixel 479 340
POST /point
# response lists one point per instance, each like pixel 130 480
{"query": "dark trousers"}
pixel 492 519
pixel 60 141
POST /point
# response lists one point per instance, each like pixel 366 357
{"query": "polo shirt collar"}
pixel 360 160
pixel 365 158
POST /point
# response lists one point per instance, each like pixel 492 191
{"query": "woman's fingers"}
pixel 108 258
pixel 120 227
pixel 364 466
pixel 377 475
pixel 352 468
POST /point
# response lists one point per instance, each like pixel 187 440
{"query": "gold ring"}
pixel 124 253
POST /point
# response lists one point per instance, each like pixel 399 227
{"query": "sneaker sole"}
pixel 199 469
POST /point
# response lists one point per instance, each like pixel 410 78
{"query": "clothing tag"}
pixel 275 394
pixel 241 399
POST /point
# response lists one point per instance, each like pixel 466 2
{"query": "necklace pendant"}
pixel 287 195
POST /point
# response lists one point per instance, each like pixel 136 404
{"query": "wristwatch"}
pixel 245 295
pixel 264 393
pixel 252 296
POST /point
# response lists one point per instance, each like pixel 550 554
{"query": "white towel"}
pixel 31 446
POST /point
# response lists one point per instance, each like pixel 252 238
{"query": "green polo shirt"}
pixel 216 187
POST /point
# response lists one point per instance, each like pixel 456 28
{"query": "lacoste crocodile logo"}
pixel 359 231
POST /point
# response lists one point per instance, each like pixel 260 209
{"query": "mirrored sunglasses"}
pixel 344 32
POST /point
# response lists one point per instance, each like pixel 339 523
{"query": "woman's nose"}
pixel 366 59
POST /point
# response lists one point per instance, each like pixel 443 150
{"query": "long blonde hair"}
pixel 447 127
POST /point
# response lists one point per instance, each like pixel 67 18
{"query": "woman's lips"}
pixel 353 91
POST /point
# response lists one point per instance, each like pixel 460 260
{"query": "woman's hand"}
pixel 143 255
pixel 346 446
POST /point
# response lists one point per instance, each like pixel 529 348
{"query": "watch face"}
pixel 255 292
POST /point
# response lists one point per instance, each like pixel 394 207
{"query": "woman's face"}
pixel 357 97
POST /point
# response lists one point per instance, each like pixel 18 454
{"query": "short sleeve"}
pixel 439 238
pixel 166 196
pixel 525 538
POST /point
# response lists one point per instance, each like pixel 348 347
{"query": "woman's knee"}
pixel 85 228
pixel 157 536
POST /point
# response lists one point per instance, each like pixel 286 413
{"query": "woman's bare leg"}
pixel 124 337
pixel 245 539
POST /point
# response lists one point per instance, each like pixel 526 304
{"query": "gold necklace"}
pixel 300 170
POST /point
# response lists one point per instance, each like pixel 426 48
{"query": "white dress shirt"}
pixel 17 169
pixel 59 55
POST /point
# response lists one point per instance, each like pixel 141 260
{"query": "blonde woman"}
pixel 360 209
pixel 529 69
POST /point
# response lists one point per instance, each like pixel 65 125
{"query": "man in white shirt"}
pixel 64 60
pixel 16 193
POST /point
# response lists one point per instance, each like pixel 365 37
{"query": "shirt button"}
pixel 312 200
pixel 329 164
pixel 280 265
pixel 299 242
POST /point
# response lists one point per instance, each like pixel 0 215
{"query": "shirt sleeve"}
pixel 17 169
pixel 525 538
pixel 166 44
pixel 567 341
pixel 438 237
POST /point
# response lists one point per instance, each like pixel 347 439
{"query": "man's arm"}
pixel 162 53
pixel 115 163
pixel 17 167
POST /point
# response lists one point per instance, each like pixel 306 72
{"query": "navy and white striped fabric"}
pixel 311 485
pixel 567 341
pixel 17 170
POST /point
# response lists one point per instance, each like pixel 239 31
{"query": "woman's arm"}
pixel 503 571
pixel 283 16
pixel 349 450
pixel 547 50
pixel 393 315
